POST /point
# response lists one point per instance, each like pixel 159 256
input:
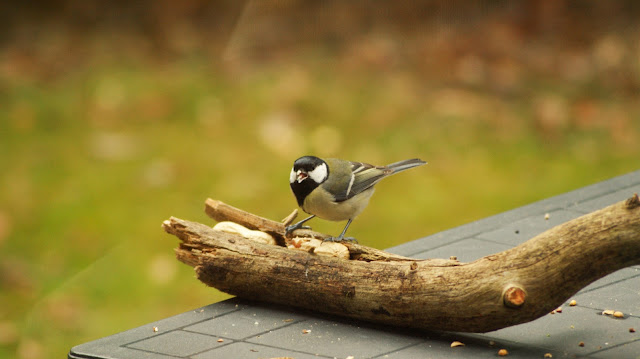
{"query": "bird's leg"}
pixel 341 237
pixel 298 225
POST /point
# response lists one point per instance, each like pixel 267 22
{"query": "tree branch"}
pixel 511 287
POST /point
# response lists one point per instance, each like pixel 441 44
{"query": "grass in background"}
pixel 93 162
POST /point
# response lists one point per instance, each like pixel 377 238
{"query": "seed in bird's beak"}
pixel 301 176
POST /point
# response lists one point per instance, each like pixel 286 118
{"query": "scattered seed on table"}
pixel 618 314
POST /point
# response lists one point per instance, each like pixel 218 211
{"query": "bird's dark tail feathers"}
pixel 405 165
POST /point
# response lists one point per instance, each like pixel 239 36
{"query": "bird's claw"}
pixel 293 227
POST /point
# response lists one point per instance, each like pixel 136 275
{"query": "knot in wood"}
pixel 514 297
pixel 633 202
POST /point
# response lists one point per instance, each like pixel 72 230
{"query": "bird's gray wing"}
pixel 363 177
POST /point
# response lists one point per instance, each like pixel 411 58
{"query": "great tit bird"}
pixel 337 190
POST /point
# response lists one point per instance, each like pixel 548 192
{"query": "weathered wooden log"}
pixel 508 288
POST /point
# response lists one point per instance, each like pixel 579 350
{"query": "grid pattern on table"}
pixel 239 329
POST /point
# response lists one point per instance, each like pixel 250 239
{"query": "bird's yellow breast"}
pixel 322 205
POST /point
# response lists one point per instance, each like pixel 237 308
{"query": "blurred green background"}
pixel 116 115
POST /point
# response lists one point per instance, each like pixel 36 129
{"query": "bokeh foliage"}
pixel 114 117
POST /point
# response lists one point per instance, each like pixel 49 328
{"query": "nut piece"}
pixel 608 312
pixel 305 244
pixel 457 344
pixel 503 352
pixel 234 228
pixel 559 310
pixel 332 249
pixel 573 303
pixel 306 331
pixel 618 314
pixel 581 344
pixel 155 329
pixel 318 247
pixel 220 340
pixel 546 216
pixel 548 355
pixel 631 330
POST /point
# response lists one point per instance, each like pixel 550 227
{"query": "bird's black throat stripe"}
pixel 302 189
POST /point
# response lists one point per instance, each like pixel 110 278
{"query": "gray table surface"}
pixel 237 328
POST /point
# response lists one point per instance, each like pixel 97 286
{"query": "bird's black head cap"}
pixel 307 163
pixel 307 174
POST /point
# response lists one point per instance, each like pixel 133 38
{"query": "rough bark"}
pixel 511 287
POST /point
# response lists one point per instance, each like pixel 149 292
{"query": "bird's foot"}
pixel 293 227
pixel 340 239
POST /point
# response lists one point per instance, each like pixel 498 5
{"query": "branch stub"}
pixel 632 202
pixel 514 297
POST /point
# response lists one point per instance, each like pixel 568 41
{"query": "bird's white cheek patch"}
pixel 319 174
pixel 292 176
